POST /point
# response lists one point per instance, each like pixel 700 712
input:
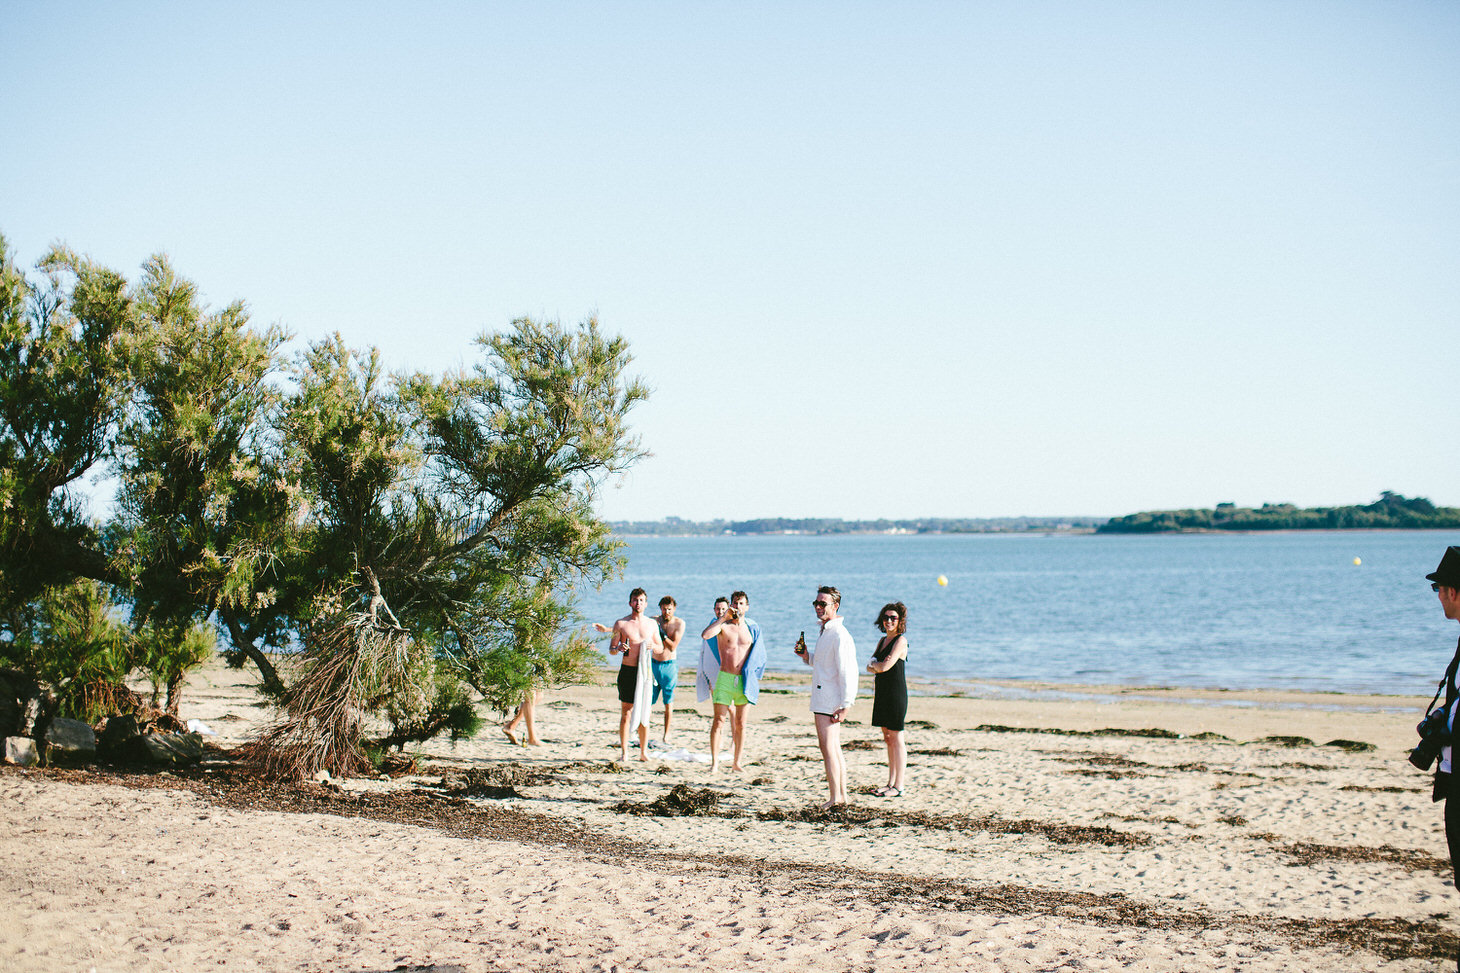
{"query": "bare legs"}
pixel 623 734
pixel 666 720
pixel 829 737
pixel 896 760
pixel 525 712
pixel 722 714
pixel 736 719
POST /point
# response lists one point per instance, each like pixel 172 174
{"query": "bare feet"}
pixel 831 804
pixel 510 735
pixel 737 768
pixel 534 742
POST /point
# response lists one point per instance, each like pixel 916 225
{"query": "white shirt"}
pixel 833 669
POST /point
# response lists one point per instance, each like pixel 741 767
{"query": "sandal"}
pixel 890 792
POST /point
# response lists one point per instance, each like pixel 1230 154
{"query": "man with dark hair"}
pixel 833 687
pixel 665 664
pixel 1445 581
pixel 632 635
pixel 731 665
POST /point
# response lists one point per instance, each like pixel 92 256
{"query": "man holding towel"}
pixel 636 635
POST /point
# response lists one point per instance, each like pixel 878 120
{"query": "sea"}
pixel 1315 611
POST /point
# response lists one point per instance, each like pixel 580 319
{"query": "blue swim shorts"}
pixel 666 677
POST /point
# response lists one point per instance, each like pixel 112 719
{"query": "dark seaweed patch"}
pixel 1281 741
pixel 1156 734
pixel 680 801
pixel 1311 853
pixel 1352 746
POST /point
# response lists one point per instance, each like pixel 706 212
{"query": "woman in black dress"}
pixel 889 700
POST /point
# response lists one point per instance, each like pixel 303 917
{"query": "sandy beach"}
pixel 1159 830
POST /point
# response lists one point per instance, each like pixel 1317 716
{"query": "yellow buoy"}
pixel 942 581
pixel 1358 561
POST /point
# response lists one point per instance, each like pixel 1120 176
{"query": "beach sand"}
pixel 1044 844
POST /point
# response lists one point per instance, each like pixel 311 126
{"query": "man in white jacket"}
pixel 833 687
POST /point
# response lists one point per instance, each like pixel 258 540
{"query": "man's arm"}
pixel 713 629
pixel 620 639
pixel 672 634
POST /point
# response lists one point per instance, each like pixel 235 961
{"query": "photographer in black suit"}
pixel 1438 727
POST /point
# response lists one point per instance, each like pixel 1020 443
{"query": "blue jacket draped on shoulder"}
pixel 750 674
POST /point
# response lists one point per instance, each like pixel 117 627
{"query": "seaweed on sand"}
pixel 1155 734
pixel 1312 853
pixel 497 781
pixel 854 815
pixel 1389 938
pixel 679 801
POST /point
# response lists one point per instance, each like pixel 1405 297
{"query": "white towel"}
pixel 643 690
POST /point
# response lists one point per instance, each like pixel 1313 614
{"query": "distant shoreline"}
pixel 1392 511
pixel 1073 531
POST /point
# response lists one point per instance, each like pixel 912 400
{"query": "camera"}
pixel 1434 735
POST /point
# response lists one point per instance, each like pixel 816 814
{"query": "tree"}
pixel 410 533
pixel 452 515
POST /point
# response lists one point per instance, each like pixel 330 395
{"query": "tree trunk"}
pixel 272 685
pixel 174 693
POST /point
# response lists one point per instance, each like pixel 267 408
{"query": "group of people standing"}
pixel 731 664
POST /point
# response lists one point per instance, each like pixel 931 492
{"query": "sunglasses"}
pixel 820 604
pixel 889 618
pixel 1434 587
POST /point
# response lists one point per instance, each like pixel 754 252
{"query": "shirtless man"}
pixel 631 634
pixel 665 664
pixel 735 637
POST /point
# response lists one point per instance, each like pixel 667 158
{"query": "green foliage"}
pixel 72 641
pixel 63 384
pixel 166 656
pixel 449 709
pixel 407 518
pixel 1391 511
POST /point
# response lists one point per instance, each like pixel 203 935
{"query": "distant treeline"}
pixel 831 525
pixel 1390 510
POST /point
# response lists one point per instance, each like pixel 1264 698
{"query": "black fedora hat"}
pixel 1448 573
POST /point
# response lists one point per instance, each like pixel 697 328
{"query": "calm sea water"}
pixel 1245 611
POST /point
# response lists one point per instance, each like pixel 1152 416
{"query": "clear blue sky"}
pixel 875 259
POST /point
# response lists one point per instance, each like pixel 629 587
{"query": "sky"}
pixel 874 259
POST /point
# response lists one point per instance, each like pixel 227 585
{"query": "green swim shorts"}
pixel 728 691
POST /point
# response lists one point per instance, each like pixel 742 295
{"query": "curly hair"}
pixel 895 606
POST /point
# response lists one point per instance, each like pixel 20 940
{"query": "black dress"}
pixel 889 699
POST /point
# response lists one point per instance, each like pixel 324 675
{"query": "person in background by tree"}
pixel 525 712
